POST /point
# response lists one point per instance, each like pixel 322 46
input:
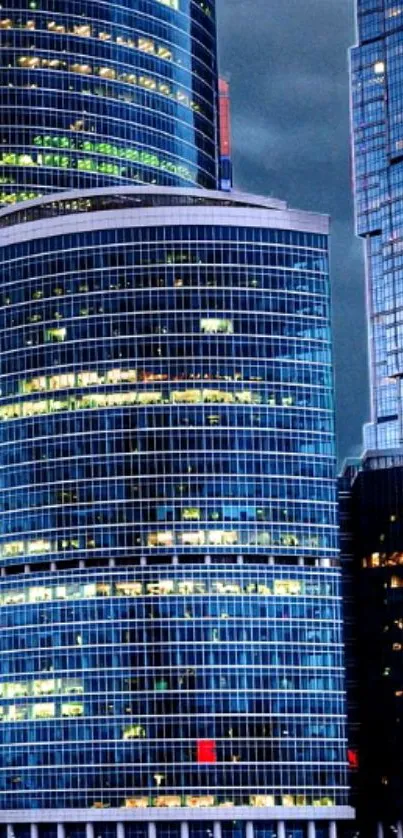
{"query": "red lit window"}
pixel 206 751
pixel 352 758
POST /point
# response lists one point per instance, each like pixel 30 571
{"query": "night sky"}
pixel 287 64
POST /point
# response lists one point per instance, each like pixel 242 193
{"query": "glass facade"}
pixel 96 94
pixel 377 74
pixel 171 590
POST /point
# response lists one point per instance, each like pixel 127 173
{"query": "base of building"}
pixel 214 814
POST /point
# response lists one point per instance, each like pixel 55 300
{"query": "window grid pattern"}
pixel 127 446
pixel 376 85
pixel 110 95
pixel 218 699
pixel 174 413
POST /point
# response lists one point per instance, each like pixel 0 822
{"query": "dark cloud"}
pixel 288 67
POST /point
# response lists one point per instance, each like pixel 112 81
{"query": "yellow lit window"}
pixel 191 513
pixel 107 73
pixel 146 45
pixel 149 398
pixel 129 588
pixel 134 732
pixel 261 800
pixel 168 802
pixel 40 545
pixel 39 594
pixel 16 690
pixel 222 537
pixel 215 325
pixel 17 712
pixel 59 382
pixel 136 802
pixel 13 548
pixel 44 687
pixel 222 396
pixel 43 711
pixel 193 539
pixel 14 597
pixel 287 587
pixel 200 802
pixel 84 31
pixel 160 539
pixel 173 4
pixel 56 334
pixel 288 800
pixel 72 709
pixel 186 396
pixel 84 69
pixel 102 589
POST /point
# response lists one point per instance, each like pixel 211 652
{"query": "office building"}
pixel 172 659
pixel 377 128
pixel 100 94
pixel 371 489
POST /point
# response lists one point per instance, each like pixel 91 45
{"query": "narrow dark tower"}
pixel 102 94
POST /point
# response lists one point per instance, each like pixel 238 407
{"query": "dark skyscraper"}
pixel 98 94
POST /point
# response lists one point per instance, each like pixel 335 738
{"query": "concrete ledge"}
pixel 216 813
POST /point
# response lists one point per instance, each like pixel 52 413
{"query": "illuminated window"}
pixel 43 711
pixel 206 751
pixel 72 709
pixel 285 587
pixel 18 712
pixel 55 334
pixel 160 539
pixel 262 800
pixel 134 732
pixel 13 548
pixel 136 803
pixel 191 514
pixel 215 325
pixel 200 802
pixel 192 539
pixel 128 588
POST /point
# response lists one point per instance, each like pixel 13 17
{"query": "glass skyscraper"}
pixel 98 93
pixel 171 639
pixel 377 75
pixel 371 487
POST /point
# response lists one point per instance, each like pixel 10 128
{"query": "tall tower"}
pixel 376 73
pixel 371 490
pixel 171 590
pixel 102 94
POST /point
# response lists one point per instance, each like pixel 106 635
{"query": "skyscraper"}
pixel 100 94
pixel 169 520
pixel 371 490
pixel 377 72
pixel 172 662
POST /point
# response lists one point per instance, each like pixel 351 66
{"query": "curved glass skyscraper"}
pixel 170 597
pixel 96 93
